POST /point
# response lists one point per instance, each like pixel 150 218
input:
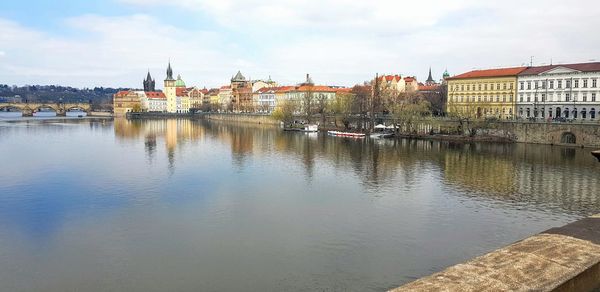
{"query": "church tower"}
pixel 430 80
pixel 170 91
pixel 149 83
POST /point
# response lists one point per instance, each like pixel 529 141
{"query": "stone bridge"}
pixel 60 108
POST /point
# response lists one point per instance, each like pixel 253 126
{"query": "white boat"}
pixel 346 134
pixel 310 128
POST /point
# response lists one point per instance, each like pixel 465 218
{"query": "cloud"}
pixel 338 42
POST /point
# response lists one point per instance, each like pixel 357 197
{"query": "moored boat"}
pixel 346 134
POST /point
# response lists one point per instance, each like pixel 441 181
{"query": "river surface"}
pixel 181 205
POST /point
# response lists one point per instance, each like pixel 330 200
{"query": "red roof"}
pixel 502 72
pixel 344 90
pixel 583 67
pixel 409 79
pixel 423 87
pixel 226 87
pixel 180 91
pixel 122 93
pixel 155 94
pixel 391 77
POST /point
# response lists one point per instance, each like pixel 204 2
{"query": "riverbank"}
pixel 562 134
pixel 558 259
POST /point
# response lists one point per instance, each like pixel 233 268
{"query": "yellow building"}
pixel 484 93
pixel 126 101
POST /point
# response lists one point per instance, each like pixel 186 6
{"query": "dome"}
pixel 179 82
pixel 446 74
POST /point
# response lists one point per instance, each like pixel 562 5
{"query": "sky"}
pixel 113 43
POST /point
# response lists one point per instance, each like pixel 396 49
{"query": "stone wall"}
pixel 568 134
pixel 241 118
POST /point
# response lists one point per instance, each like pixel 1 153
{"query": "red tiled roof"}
pixel 155 94
pixel 344 90
pixel 409 79
pixel 390 77
pixel 180 91
pixel 583 67
pixel 122 93
pixel 423 87
pixel 502 72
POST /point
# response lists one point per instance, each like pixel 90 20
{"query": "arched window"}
pixel 528 112
pixel 583 113
pixel 566 113
pixel 593 113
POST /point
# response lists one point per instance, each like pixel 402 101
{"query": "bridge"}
pixel 60 108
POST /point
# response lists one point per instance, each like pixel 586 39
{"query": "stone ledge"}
pixel 559 259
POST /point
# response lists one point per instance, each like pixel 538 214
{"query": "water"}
pixel 180 205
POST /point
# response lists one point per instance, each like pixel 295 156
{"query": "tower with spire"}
pixel 429 80
pixel 149 83
pixel 170 90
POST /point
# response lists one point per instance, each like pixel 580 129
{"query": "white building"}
pixel 570 91
pixel 156 101
pixel 264 99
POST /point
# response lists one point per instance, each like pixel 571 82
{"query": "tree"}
pixel 284 111
pixel 307 102
pixel 343 106
pixel 409 106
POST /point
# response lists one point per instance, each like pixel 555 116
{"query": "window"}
pixel 498 96
pixel 535 97
pixel 543 97
pixel 536 85
pixel 504 86
pixel 551 84
pixel 462 87
pixel 567 97
pixel 558 97
pixel 592 113
pixel 504 98
pixel 576 85
pixel 594 83
pixel 584 96
pixel 567 83
pixel 479 87
pixel 521 97
pixel 575 96
pixel 593 97
pixel 468 87
pixel 585 83
pixel 528 85
pixel 559 84
pixel 498 86
pixel 485 86
pixel 511 87
pixel 528 97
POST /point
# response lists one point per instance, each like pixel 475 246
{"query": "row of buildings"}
pixel 569 91
pixel 241 94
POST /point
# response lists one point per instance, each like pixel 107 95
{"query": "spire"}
pixel 430 78
pixel 169 72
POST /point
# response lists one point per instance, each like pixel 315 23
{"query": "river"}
pixel 186 205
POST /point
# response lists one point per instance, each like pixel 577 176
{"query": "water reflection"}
pixel 190 205
pixel 546 176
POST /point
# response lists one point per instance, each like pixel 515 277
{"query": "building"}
pixel 241 93
pixel 196 98
pixel 156 101
pixel 126 101
pixel 264 99
pixel 149 83
pixel 169 90
pixel 484 93
pixel 398 83
pixel 225 97
pixel 570 91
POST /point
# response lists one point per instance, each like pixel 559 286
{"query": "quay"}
pixel 559 259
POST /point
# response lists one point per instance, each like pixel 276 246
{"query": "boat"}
pixel 310 128
pixel 345 134
pixel 596 154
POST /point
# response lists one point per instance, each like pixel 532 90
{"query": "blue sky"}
pixel 113 42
